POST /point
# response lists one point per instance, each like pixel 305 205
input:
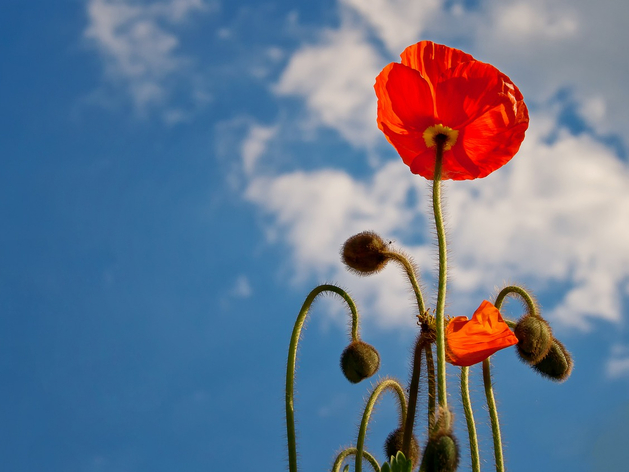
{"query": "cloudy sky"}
pixel 177 175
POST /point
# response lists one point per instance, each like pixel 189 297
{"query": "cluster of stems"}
pixel 439 418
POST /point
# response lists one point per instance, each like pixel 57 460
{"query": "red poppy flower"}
pixel 469 342
pixel 438 90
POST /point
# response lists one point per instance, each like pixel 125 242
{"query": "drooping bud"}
pixel 394 442
pixel 363 253
pixel 359 361
pixel 535 338
pixel 557 365
pixel 442 453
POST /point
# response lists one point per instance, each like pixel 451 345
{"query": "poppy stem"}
pixel 387 384
pixel 493 415
pixel 469 418
pixel 432 387
pixel 412 276
pixel 443 265
pixel 336 467
pixel 413 389
pixel 292 358
pixel 520 293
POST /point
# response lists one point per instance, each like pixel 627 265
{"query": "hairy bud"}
pixel 442 453
pixel 359 361
pixel 363 253
pixel 535 338
pixel 394 443
pixel 557 365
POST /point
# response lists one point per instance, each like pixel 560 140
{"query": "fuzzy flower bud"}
pixel 535 338
pixel 394 442
pixel 359 361
pixel 363 253
pixel 442 453
pixel 557 365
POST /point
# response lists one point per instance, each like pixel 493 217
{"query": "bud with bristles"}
pixel 359 361
pixel 535 338
pixel 557 365
pixel 394 442
pixel 364 253
pixel 442 453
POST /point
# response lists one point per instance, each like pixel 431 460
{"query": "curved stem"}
pixel 412 276
pixel 443 267
pixel 336 467
pixel 409 421
pixel 432 387
pixel 493 414
pixel 387 384
pixel 292 359
pixel 469 418
pixel 518 291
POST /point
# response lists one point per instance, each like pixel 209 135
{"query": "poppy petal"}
pixel 469 342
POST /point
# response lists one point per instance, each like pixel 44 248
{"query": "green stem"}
pixel 443 267
pixel 387 384
pixel 469 418
pixel 493 414
pixel 518 291
pixel 338 463
pixel 412 276
pixel 432 387
pixel 292 359
pixel 409 422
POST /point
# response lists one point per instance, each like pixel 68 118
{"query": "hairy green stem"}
pixel 409 422
pixel 292 359
pixel 518 291
pixel 493 415
pixel 443 267
pixel 387 384
pixel 469 418
pixel 338 463
pixel 432 387
pixel 412 276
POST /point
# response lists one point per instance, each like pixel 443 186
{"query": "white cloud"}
pixel 618 364
pixel 139 47
pixel 559 212
pixel 255 145
pixel 335 78
pixel 241 288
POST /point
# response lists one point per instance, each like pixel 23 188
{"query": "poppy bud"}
pixel 364 253
pixel 394 442
pixel 442 453
pixel 359 361
pixel 535 338
pixel 557 365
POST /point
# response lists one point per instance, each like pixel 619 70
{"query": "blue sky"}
pixel 177 175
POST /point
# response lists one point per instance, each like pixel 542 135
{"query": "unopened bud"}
pixel 557 365
pixel 442 454
pixel 535 338
pixel 359 361
pixel 364 253
pixel 394 443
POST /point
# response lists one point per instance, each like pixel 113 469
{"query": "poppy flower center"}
pixel 440 133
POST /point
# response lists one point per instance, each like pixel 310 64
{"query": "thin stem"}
pixel 292 359
pixel 432 387
pixel 412 276
pixel 443 267
pixel 493 414
pixel 518 291
pixel 338 463
pixel 412 395
pixel 469 418
pixel 387 384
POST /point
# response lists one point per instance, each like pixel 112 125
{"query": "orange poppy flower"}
pixel 469 342
pixel 438 90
